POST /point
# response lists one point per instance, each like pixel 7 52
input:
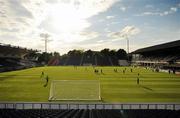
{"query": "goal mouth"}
pixel 75 90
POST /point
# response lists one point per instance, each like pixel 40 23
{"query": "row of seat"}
pixel 165 58
pixel 80 113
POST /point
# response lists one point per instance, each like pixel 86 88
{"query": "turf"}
pixel 26 85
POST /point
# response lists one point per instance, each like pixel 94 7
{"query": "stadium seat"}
pixel 84 113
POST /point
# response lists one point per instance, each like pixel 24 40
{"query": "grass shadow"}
pixel 146 88
pixel 103 73
pixel 6 77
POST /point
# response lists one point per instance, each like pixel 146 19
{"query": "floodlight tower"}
pixel 46 40
pixel 127 46
pixel 125 36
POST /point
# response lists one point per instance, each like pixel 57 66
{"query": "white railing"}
pixel 55 105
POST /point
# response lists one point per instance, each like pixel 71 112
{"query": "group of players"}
pixel 96 71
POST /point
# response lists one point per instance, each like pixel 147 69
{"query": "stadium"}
pixel 89 83
pixel 79 87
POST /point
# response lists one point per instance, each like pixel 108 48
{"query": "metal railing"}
pixel 50 105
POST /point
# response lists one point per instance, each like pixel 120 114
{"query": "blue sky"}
pixel 89 24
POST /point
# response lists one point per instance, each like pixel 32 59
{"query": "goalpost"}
pixel 75 90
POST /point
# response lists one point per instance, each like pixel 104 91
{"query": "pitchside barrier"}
pixel 120 106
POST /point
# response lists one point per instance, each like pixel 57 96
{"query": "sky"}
pixel 89 24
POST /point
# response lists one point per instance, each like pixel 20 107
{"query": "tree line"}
pixel 81 57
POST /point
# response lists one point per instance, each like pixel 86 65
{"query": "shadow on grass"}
pixel 6 77
pixel 100 73
pixel 103 73
pixel 146 88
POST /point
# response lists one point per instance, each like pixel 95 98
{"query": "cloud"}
pixel 15 15
pixel 157 13
pixel 114 23
pixel 149 6
pixel 123 8
pixel 39 12
pixel 65 20
pixel 86 35
pixel 107 29
pixel 14 8
pixel 125 32
pixel 101 20
pixel 100 41
pixel 93 7
pixel 99 45
pixel 173 9
pixel 76 37
pixel 110 17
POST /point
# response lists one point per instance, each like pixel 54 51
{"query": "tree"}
pixel 121 54
pixel 88 53
pixel 74 57
pixel 112 53
pixel 56 54
pixel 105 52
pixel 45 57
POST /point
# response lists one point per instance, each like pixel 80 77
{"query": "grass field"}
pixel 26 85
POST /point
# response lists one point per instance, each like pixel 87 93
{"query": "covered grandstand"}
pixel 164 56
pixel 15 57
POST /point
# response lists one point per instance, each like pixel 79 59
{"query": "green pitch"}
pixel 27 85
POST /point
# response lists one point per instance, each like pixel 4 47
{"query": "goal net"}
pixel 75 90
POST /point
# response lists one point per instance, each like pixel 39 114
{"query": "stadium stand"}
pixel 15 58
pixel 86 113
pixel 164 56
pixel 75 110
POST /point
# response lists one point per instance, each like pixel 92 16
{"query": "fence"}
pixel 29 105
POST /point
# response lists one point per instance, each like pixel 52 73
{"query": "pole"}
pixel 127 44
pixel 46 40
pixel 127 47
